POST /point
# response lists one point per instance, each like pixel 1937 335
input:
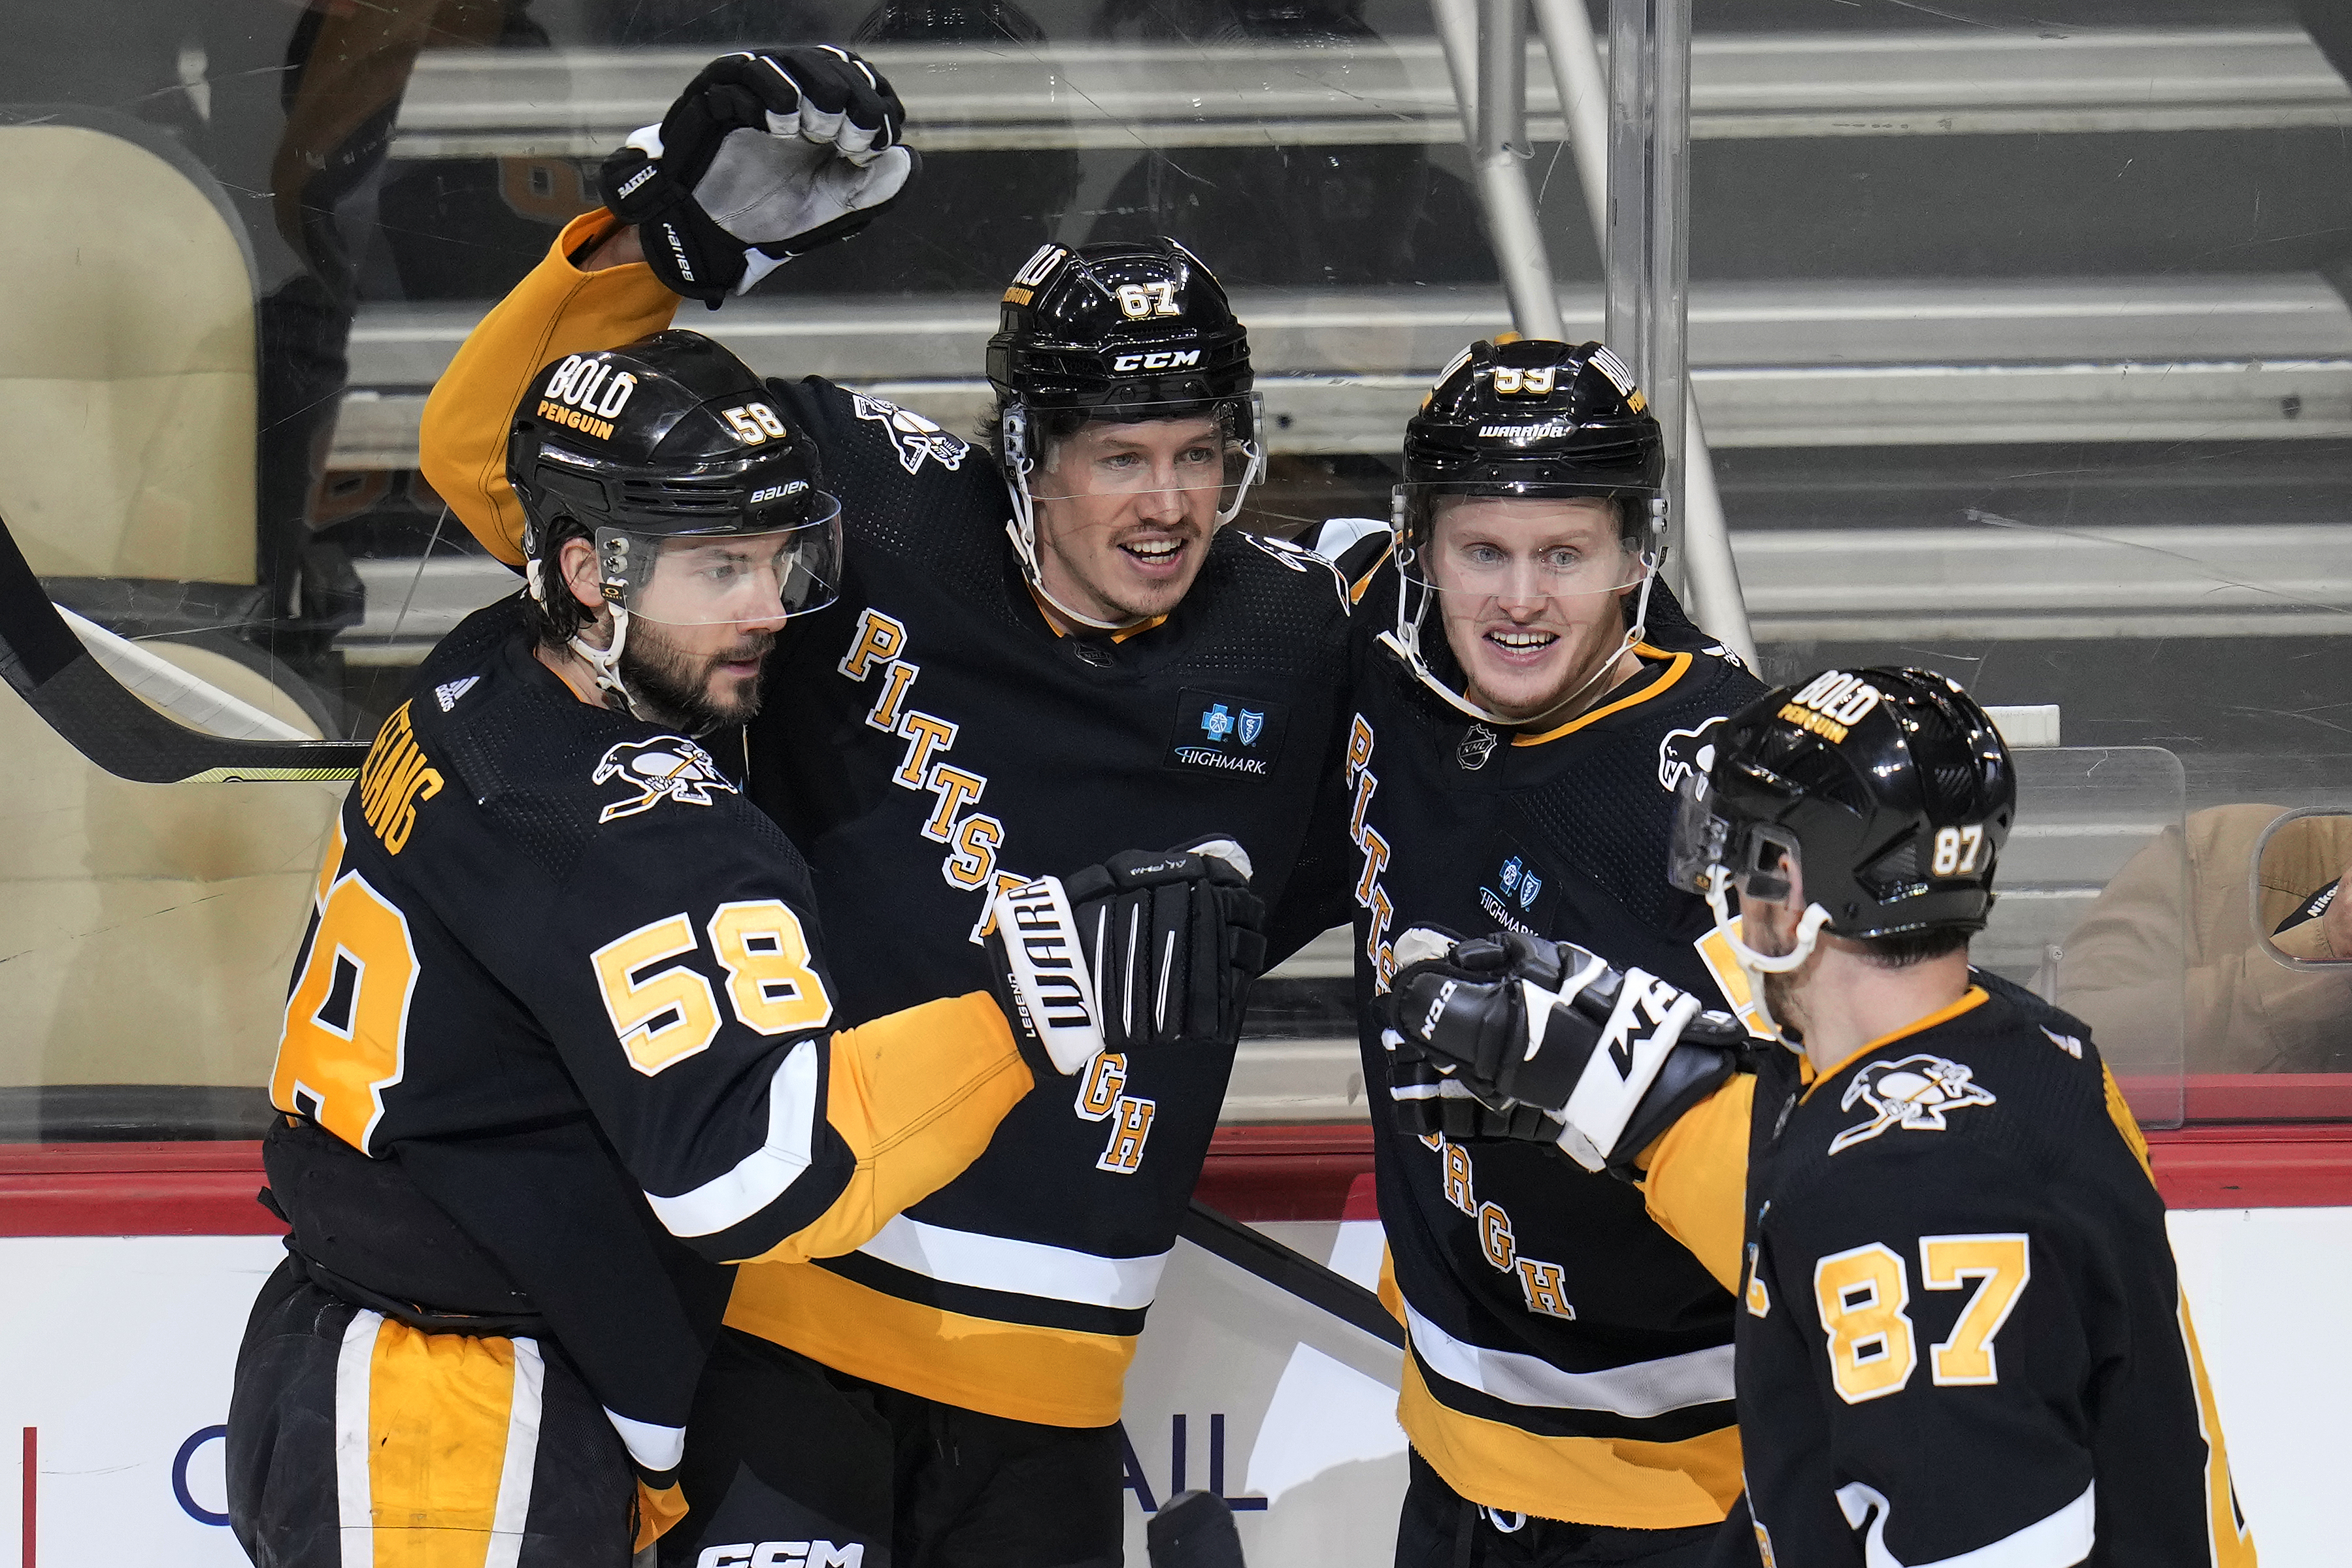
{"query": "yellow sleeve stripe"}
pixel 556 310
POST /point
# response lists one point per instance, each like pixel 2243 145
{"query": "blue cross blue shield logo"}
pixel 1216 724
pixel 1251 725
pixel 1529 886
pixel 1510 877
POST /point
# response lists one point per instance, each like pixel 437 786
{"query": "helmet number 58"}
pixel 753 422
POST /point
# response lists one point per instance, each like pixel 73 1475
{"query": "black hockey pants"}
pixel 788 1462
pixel 357 1440
pixel 1440 1528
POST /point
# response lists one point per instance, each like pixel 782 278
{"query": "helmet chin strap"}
pixel 1756 965
pixel 606 662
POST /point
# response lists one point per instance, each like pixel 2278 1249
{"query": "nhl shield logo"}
pixel 1915 1093
pixel 667 767
pixel 1250 725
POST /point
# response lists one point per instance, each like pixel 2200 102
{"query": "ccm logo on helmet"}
pixel 783 1555
pixel 1170 361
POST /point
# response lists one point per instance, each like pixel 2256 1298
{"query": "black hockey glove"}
pixel 1145 949
pixel 763 158
pixel 1426 1097
pixel 1614 1058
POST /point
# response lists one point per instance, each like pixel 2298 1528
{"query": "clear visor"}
pixel 1138 464
pixel 717 579
pixel 1514 549
pixel 1710 852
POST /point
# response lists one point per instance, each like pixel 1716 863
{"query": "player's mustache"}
pixel 754 646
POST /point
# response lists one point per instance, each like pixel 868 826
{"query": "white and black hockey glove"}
pixel 763 158
pixel 1614 1058
pixel 1143 950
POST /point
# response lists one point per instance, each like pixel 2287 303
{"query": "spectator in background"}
pixel 2246 1013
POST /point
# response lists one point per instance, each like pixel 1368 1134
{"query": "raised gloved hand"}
pixel 1615 1057
pixel 763 158
pixel 1145 949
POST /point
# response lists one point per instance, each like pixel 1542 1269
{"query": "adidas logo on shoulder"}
pixel 448 692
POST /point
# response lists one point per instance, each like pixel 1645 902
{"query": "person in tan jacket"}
pixel 2245 1011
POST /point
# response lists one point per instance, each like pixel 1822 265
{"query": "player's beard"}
pixel 669 683
pixel 1781 1002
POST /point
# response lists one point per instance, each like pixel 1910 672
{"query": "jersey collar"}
pixel 1945 1014
pixel 1675 666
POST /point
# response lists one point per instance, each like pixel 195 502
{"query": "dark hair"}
pixel 555 622
pixel 1904 948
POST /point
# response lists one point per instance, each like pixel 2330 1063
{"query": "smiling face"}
pixel 1530 590
pixel 1125 513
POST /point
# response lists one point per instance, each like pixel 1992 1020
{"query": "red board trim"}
pixel 1253 1173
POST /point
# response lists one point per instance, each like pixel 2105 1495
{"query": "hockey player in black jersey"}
pixel 1962 1336
pixel 1531 701
pixel 1017 677
pixel 561 1044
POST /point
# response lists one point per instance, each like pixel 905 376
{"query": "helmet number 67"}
pixel 1139 299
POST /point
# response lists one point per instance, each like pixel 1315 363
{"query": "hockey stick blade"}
pixel 46 664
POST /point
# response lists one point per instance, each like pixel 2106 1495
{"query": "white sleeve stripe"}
pixel 2060 1541
pixel 765 1174
pixel 653 1447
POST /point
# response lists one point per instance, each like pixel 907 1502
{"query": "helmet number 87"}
pixel 1139 299
pixel 1957 849
pixel 753 424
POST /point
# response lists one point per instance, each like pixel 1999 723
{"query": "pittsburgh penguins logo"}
pixel 1915 1093
pixel 667 767
pixel 912 436
pixel 1687 753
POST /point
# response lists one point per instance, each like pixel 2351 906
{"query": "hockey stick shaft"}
pixel 49 666
pixel 1291 1271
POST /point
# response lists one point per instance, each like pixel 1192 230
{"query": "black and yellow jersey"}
pixel 560 1042
pixel 1569 1358
pixel 1961 1334
pixel 930 738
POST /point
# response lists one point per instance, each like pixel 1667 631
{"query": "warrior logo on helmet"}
pixel 1915 1093
pixel 667 767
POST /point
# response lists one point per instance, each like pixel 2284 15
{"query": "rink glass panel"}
pixel 2045 384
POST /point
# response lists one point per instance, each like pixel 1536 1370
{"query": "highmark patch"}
pixel 1240 738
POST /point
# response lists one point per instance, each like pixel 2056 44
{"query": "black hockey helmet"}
pixel 1891 788
pixel 666 436
pixel 1122 331
pixel 1526 416
pixel 1526 419
pixel 667 440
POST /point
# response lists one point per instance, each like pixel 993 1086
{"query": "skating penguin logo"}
pixel 667 767
pixel 1915 1093
pixel 913 436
